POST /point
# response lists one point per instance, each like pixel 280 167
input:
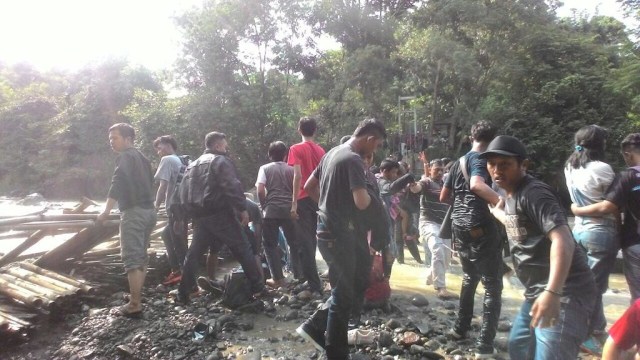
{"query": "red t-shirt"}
pixel 626 331
pixel 307 154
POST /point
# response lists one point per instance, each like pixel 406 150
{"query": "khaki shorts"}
pixel 136 225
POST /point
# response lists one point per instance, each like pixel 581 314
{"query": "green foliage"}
pixel 252 68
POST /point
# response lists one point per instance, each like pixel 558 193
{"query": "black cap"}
pixel 505 145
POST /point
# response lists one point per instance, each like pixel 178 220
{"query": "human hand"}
pixel 102 217
pixel 294 214
pixel 545 310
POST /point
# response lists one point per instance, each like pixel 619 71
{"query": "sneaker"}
pixel 172 278
pixel 312 330
pixel 485 352
pixel 178 298
pixel 360 337
pixel 592 346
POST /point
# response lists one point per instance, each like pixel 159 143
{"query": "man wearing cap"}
pixel 559 288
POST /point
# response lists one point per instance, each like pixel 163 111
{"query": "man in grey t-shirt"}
pixel 275 188
pixel 167 176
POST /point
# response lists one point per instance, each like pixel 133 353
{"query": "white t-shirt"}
pixel 588 185
pixel 168 170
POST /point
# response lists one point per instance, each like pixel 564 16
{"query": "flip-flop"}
pixel 124 312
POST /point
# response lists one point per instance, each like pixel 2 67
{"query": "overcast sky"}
pixel 69 34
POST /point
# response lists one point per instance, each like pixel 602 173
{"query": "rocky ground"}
pixel 412 327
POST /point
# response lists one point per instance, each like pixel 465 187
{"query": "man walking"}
pixel 560 290
pixel 131 188
pixel 274 185
pixel 432 213
pixel 304 157
pixel 339 183
pixel 477 241
pixel 213 192
pixel 167 176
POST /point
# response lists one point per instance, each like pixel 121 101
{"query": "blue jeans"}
pixel 631 262
pixel 270 233
pixel 560 342
pixel 347 254
pixel 600 241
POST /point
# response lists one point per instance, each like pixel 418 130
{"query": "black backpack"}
pixel 194 196
pixel 237 291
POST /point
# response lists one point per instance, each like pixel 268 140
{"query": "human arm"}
pixel 226 181
pixel 297 184
pixel 361 198
pixel 312 187
pixel 598 209
pixel 480 188
pixel 161 194
pixel 104 215
pixel 262 194
pixel 546 309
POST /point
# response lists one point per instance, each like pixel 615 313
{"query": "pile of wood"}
pixel 42 281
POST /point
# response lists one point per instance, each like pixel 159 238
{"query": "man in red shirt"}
pixel 305 157
pixel 624 335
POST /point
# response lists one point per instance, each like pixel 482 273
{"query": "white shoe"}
pixel 360 337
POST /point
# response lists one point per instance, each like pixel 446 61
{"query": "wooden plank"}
pixel 83 241
pixel 29 242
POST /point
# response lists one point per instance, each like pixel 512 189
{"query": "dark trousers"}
pixel 349 265
pixel 306 236
pixel 176 244
pixel 210 232
pixel 270 233
pixel 480 251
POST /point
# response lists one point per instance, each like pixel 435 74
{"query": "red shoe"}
pixel 172 278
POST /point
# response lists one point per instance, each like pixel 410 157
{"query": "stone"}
pixel 385 339
pixel 393 324
pixel 416 349
pixel 410 338
pixel 433 344
pixel 504 326
pixel 449 305
pixel 291 315
pixel 419 300
pixel 125 350
pixel 432 355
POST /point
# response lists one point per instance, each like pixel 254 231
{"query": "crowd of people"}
pixel 356 214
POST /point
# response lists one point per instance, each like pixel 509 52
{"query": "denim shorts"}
pixel 136 225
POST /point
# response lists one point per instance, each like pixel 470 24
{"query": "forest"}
pixel 252 68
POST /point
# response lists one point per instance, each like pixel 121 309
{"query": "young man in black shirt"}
pixel 131 188
pixel 559 286
pixel 339 183
pixel 476 239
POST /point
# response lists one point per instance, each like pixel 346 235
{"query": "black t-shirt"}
pixel 469 210
pixel 132 181
pixel 431 209
pixel 532 213
pixel 340 172
pixel 625 193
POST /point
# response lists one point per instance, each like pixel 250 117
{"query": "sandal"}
pixel 125 312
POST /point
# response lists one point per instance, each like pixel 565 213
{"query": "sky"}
pixel 70 34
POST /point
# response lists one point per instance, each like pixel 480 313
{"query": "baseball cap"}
pixel 505 145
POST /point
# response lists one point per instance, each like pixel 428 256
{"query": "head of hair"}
pixel 483 131
pixel 166 139
pixel 387 164
pixel 436 162
pixel 590 142
pixel 344 139
pixel 445 160
pixel 277 151
pixel 631 143
pixel 212 138
pixel 448 166
pixel 125 130
pixel 307 126
pixel 371 127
